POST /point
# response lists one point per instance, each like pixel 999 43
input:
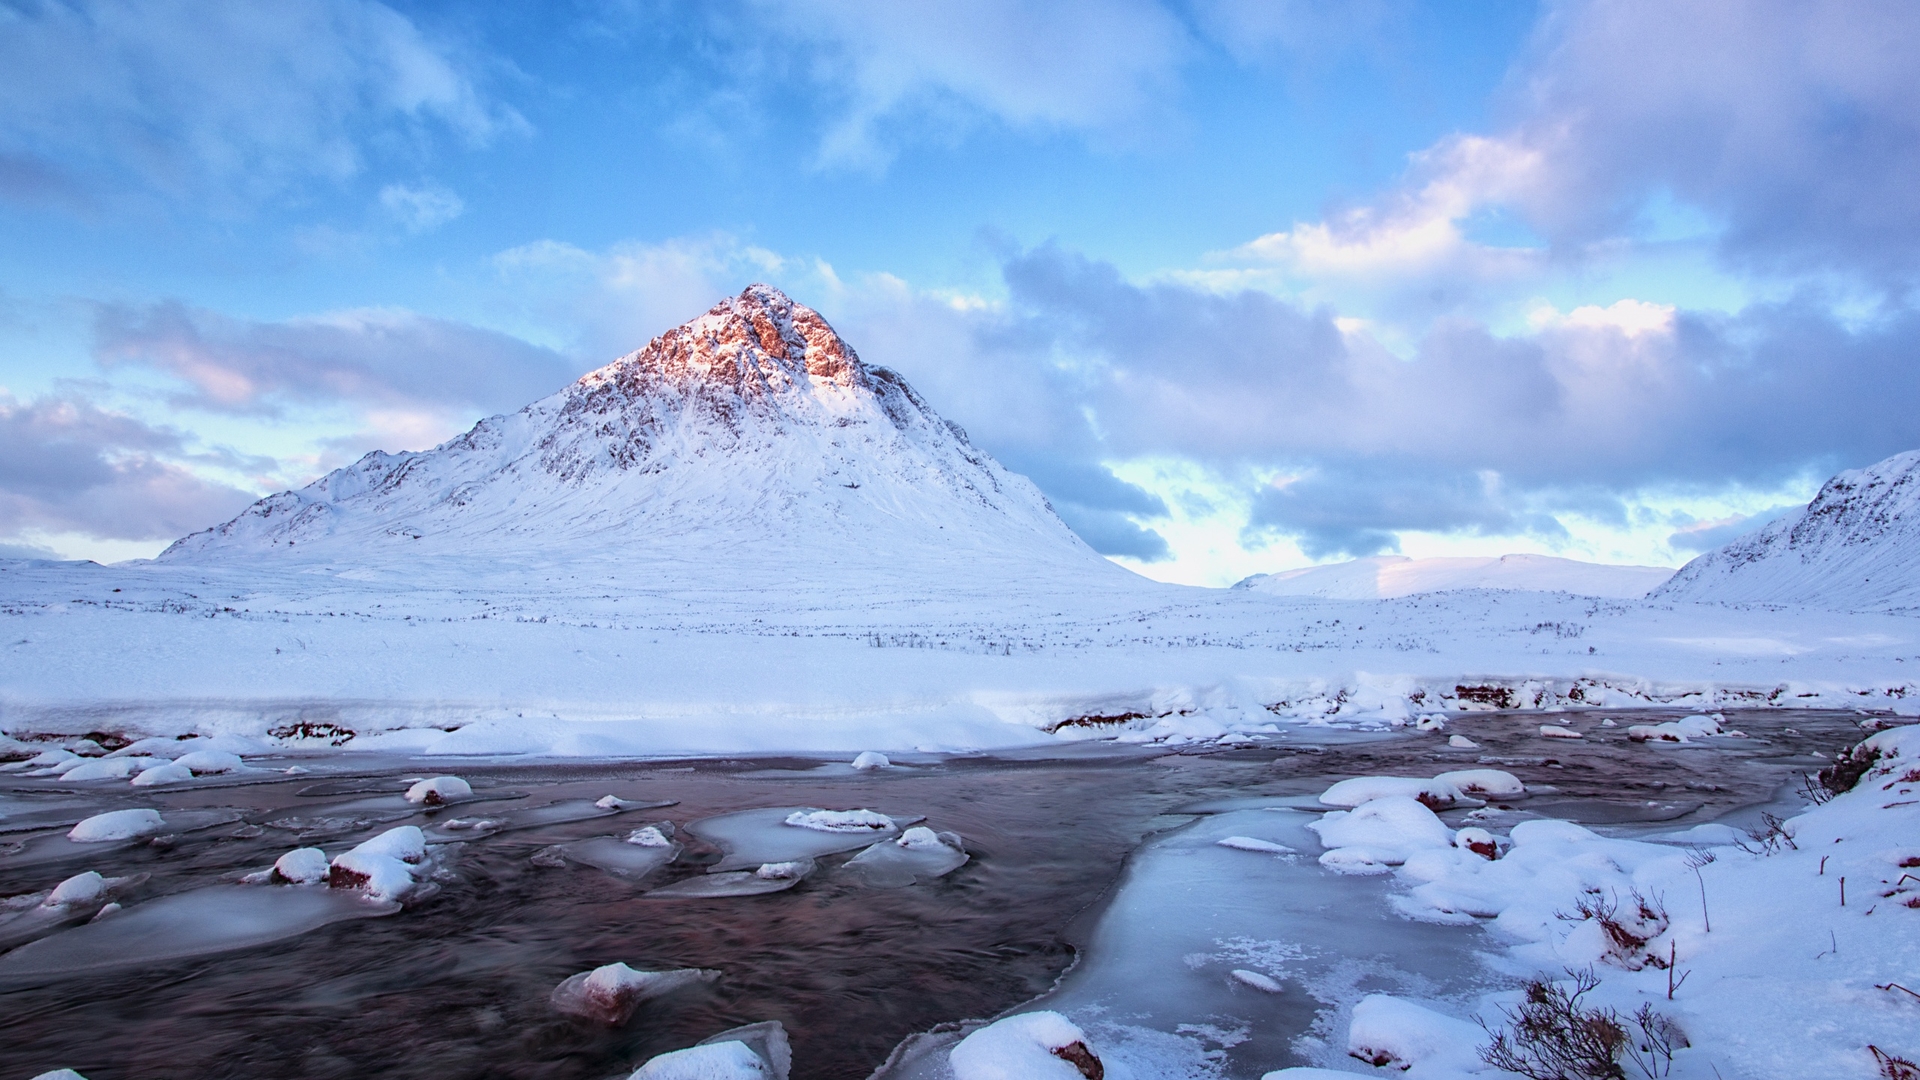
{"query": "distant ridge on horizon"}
pixel 1385 577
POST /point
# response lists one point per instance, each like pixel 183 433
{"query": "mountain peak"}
pixel 751 428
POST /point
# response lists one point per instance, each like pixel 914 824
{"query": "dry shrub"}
pixel 1553 1035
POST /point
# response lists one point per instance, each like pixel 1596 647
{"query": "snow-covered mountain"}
pixel 1856 547
pixel 751 434
pixel 1382 577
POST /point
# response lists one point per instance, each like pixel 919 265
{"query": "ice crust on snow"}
pixel 117 825
pixel 610 993
pixel 1025 1046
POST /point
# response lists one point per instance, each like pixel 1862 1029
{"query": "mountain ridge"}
pixel 1853 547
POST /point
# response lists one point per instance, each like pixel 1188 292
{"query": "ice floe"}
pixel 767 878
pixel 750 838
pixel 917 855
pixel 610 993
pixel 215 919
pixel 1039 1045
pixel 1253 843
pixel 752 1052
pixel 624 857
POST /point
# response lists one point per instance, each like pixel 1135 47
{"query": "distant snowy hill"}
pixel 1383 577
pixel 751 439
pixel 1856 547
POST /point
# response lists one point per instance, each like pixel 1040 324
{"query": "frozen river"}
pixel 1090 850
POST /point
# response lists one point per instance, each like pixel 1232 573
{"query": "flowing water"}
pixel 457 984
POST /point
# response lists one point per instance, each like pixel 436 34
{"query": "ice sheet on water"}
pixel 622 857
pixel 57 847
pixel 1156 987
pixel 752 837
pixel 610 993
pixel 767 878
pixel 215 919
pixel 1251 843
pixel 917 855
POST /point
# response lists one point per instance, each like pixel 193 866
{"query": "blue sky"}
pixel 1241 285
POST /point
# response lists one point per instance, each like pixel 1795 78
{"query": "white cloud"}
pixel 220 99
pixel 422 208
pixel 1081 65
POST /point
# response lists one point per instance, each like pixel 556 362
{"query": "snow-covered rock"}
pixel 610 993
pixel 1439 793
pixel 302 866
pixel 1852 548
pixel 77 889
pixel 161 775
pixel 752 1052
pixel 1379 833
pixel 436 790
pixel 210 762
pixel 1484 783
pixel 383 867
pixel 870 759
pixel 1392 1032
pixel 117 825
pixel 841 821
pixel 1026 1046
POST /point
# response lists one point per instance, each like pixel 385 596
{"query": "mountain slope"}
pixel 1856 547
pixel 1382 577
pixel 750 433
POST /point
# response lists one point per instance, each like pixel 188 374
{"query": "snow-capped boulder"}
pixel 1027 1046
pixel 117 825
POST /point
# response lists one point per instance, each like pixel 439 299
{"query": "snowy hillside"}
pixel 1856 547
pixel 750 439
pixel 1383 577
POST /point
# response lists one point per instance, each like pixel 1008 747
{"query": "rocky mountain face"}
pixel 1856 547
pixel 754 430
